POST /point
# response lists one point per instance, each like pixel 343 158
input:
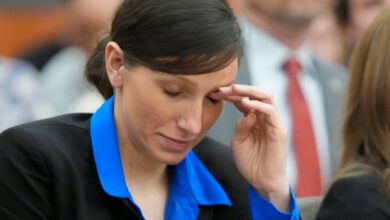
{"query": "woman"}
pixel 165 70
pixel 361 188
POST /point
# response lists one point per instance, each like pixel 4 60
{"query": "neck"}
pixel 289 33
pixel 142 173
pixel 147 179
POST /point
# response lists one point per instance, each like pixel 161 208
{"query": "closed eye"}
pixel 214 101
pixel 171 94
pixel 175 94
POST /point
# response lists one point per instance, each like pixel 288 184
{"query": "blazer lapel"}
pixel 332 79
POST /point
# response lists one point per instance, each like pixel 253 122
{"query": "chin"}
pixel 172 158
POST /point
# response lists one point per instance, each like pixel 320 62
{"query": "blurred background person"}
pixel 308 90
pixel 335 32
pixel 325 37
pixel 361 186
pixel 353 17
pixel 83 20
pixel 22 99
pixel 38 55
pixel 63 75
pixel 62 65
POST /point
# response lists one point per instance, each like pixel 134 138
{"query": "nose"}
pixel 190 119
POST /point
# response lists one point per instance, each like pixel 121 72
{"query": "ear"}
pixel 114 62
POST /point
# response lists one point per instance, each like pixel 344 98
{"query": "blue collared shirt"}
pixel 192 184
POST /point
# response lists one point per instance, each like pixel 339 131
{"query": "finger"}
pixel 236 100
pixel 222 96
pixel 261 107
pixel 242 107
pixel 237 90
pixel 239 94
pixel 243 128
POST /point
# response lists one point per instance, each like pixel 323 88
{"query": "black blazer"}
pixel 47 171
pixel 362 197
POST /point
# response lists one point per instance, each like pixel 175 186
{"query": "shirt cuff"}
pixel 263 209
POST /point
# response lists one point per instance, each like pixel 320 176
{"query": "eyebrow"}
pixel 190 82
pixel 228 84
pixel 184 79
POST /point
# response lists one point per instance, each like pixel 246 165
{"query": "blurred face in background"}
pixel 326 39
pixel 89 18
pixel 361 12
pixel 288 10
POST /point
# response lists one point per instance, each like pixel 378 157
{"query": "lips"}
pixel 176 144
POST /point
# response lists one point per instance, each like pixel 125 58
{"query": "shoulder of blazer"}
pixel 356 197
pixel 327 66
pixel 77 120
pixel 66 134
pixel 218 159
pixel 80 120
pixel 370 188
pixel 334 75
pixel 48 160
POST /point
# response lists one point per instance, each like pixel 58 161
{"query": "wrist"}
pixel 279 196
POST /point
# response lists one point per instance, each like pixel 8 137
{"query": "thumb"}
pixel 243 128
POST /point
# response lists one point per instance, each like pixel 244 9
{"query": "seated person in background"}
pixel 21 97
pixel 361 188
pixel 325 37
pixel 353 17
pixel 307 89
pixel 133 158
pixel 63 75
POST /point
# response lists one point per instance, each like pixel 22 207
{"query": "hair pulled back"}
pixel 170 36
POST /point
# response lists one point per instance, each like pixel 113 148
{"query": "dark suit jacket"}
pixel 47 171
pixel 362 197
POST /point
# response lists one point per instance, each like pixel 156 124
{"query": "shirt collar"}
pixel 190 178
pixel 270 53
pixel 106 150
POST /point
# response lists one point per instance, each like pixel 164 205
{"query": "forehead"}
pixel 284 2
pixel 222 77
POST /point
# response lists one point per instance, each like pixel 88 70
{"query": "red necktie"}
pixel 309 180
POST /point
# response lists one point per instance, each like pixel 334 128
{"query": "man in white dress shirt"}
pixel 274 31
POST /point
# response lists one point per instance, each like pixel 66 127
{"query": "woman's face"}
pixel 164 115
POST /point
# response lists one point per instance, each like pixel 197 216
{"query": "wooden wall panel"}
pixel 21 29
pixel 24 28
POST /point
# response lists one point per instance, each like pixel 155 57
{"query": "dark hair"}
pixel 171 36
pixel 341 10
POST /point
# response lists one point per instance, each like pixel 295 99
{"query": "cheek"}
pixel 210 115
pixel 153 111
